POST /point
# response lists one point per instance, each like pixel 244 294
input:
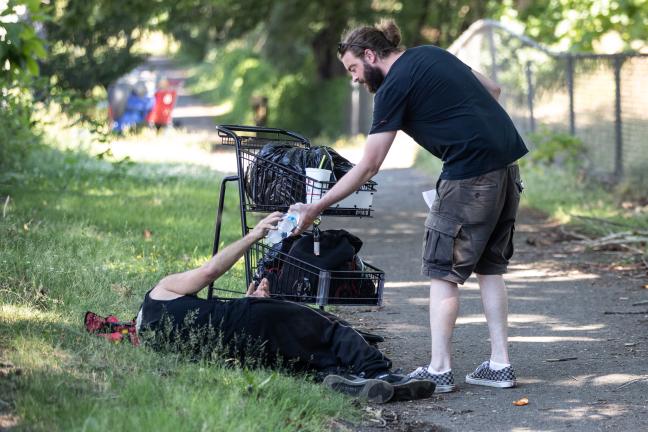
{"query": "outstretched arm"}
pixel 376 149
pixel 192 281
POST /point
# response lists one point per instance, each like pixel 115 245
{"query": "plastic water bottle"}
pixel 284 228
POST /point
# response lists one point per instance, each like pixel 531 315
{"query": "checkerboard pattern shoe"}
pixel 371 390
pixel 486 376
pixel 444 382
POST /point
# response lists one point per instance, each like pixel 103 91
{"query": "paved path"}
pixel 558 296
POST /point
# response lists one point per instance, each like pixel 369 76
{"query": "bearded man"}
pixel 452 112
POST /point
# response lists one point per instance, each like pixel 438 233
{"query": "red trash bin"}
pixel 160 115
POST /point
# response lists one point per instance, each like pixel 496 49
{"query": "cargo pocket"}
pixel 438 247
pixel 478 203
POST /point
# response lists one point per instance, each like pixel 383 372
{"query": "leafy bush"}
pixel 232 76
pixel 20 48
pixel 18 134
pixel 92 43
pixel 556 148
pixel 296 101
pixel 311 107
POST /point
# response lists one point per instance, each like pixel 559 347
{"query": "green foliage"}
pixel 233 77
pixel 437 22
pixel 296 101
pixel 633 187
pixel 567 196
pixel 577 24
pixel 18 135
pixel 91 42
pixel 20 46
pixel 200 25
pixel 556 147
pixel 78 110
pixel 570 198
pixel 73 240
pixel 310 107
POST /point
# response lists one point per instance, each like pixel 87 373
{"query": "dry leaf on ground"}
pixel 521 402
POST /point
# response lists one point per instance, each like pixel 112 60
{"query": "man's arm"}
pixel 492 87
pixel 192 281
pixel 376 149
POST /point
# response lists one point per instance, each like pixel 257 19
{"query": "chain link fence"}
pixel 601 99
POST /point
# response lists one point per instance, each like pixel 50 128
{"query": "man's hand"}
pixel 263 290
pixel 375 151
pixel 265 225
pixel 307 215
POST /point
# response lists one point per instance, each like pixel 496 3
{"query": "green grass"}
pixel 589 206
pixel 571 198
pixel 72 239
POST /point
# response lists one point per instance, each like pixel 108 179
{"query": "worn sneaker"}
pixel 406 388
pixel 486 376
pixel 444 382
pixel 371 390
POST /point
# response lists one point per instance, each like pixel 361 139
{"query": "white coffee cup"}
pixel 315 189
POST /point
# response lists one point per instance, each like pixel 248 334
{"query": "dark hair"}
pixel 384 38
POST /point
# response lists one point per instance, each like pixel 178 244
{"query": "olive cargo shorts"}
pixel 470 226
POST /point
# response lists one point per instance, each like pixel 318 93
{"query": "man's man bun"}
pixel 384 38
pixel 391 31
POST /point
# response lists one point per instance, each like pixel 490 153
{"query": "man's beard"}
pixel 373 77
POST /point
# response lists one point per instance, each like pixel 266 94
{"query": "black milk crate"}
pixel 275 186
pixel 296 280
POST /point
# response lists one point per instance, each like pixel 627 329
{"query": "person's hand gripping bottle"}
pixel 284 228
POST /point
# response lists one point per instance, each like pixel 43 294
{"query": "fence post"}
pixel 493 52
pixel 570 89
pixel 530 96
pixel 618 125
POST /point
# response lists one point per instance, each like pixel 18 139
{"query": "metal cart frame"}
pixel 248 141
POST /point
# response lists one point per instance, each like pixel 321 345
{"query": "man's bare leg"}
pixel 444 308
pixel 495 303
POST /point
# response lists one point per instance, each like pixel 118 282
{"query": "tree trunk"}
pixel 325 42
pixel 421 23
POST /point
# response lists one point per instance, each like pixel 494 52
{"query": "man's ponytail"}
pixel 384 38
pixel 391 31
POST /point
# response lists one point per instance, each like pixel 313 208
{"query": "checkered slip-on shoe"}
pixel 444 382
pixel 486 376
pixel 371 390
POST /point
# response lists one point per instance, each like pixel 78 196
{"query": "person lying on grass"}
pixel 260 330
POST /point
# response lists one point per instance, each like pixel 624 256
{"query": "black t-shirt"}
pixel 436 99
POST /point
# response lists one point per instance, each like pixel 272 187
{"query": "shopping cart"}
pixel 297 280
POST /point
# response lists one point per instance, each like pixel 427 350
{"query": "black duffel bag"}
pixel 283 266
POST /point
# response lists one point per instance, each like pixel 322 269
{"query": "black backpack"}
pixel 294 271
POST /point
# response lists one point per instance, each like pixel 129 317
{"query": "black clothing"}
pixel 337 247
pixel 437 100
pixel 294 271
pixel 289 334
